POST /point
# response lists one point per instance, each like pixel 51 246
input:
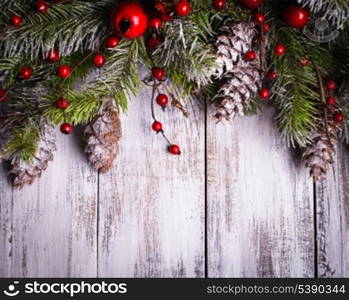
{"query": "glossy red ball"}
pixel 99 60
pixel 339 118
pixel 250 55
pixel 112 42
pixel 259 18
pixel 304 62
pixel 67 128
pixel 296 17
pixel 264 93
pixel 331 101
pixel 41 6
pixel 266 27
pixel 64 71
pixel 183 8
pixel 219 4
pixel 174 149
pixel 155 23
pixel 26 72
pixel 162 100
pixel 158 73
pixel 53 55
pixel 272 75
pixel 252 4
pixel 130 20
pixel 16 21
pixel 279 50
pixel 3 95
pixel 157 126
pixel 331 85
pixel 62 103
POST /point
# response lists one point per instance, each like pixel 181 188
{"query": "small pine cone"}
pixel 102 136
pixel 319 155
pixel 25 172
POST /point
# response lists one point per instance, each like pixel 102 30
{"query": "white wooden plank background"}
pixel 251 214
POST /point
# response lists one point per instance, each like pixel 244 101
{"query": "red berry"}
pixel 252 4
pixel 112 42
pixel 161 8
pixel 158 73
pixel 157 126
pixel 331 101
pixel 155 23
pixel 279 50
pixel 99 60
pixel 183 8
pixel 272 75
pixel 296 17
pixel 266 27
pixel 26 72
pixel 53 55
pixel 153 42
pixel 264 94
pixel 3 95
pixel 304 62
pixel 66 128
pixel 162 100
pixel 16 21
pixel 219 4
pixel 41 6
pixel 174 149
pixel 339 118
pixel 62 103
pixel 63 71
pixel 250 55
pixel 331 85
pixel 166 17
pixel 259 18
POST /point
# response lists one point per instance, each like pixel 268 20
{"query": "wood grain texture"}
pixel 260 203
pixel 49 228
pixel 333 219
pixel 152 203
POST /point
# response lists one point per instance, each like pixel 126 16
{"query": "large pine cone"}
pixel 25 172
pixel 102 136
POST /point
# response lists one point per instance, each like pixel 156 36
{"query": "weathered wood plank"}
pixel 53 222
pixel 152 203
pixel 333 219
pixel 260 203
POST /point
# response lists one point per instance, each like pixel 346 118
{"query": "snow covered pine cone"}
pixel 240 79
pixel 25 172
pixel 102 136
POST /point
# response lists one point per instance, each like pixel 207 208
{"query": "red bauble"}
pixel 250 55
pixel 219 4
pixel 331 85
pixel 331 101
pixel 41 6
pixel 153 43
pixel 174 149
pixel 3 95
pixel 259 18
pixel 16 21
pixel 304 62
pixel 183 8
pixel 157 126
pixel 264 93
pixel 279 50
pixel 112 42
pixel 266 27
pixel 338 118
pixel 155 23
pixel 62 103
pixel 272 75
pixel 63 71
pixel 158 73
pixel 99 60
pixel 296 17
pixel 162 100
pixel 66 128
pixel 130 20
pixel 26 72
pixel 53 55
pixel 251 3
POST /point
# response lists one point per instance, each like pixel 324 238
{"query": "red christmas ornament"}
pixel 304 62
pixel 99 60
pixel 331 101
pixel 130 20
pixel 155 23
pixel 259 18
pixel 338 118
pixel 252 4
pixel 112 42
pixel 219 4
pixel 266 27
pixel 158 73
pixel 272 75
pixel 26 72
pixel 183 8
pixel 41 6
pixel 264 93
pixel 174 149
pixel 53 55
pixel 16 21
pixel 162 100
pixel 296 17
pixel 3 95
pixel 331 85
pixel 279 50
pixel 157 126
pixel 66 128
pixel 153 43
pixel 64 71
pixel 250 55
pixel 62 103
